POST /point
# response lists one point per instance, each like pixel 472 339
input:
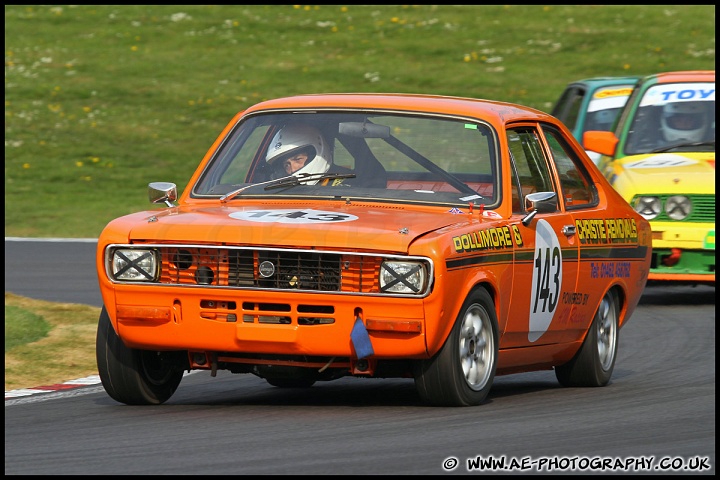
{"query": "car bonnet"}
pixel 671 173
pixel 324 226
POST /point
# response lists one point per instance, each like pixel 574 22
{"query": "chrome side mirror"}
pixel 539 202
pixel 162 192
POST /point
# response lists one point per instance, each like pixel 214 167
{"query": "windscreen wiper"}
pixel 292 180
pixel 289 181
pixel 229 196
pixel 681 145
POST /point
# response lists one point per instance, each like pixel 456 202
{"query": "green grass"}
pixel 25 327
pixel 101 100
pixel 47 343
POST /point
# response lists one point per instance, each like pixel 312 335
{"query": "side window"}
pixel 342 157
pixel 576 185
pixel 568 107
pixel 233 165
pixel 529 165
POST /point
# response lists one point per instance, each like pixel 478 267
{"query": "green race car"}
pixel 592 104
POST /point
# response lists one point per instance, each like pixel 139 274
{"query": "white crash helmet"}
pixel 295 138
pixel 684 121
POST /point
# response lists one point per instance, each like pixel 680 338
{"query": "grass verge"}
pixel 47 343
pixel 102 99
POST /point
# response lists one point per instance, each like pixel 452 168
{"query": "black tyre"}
pixel 593 364
pixel 462 372
pixel 135 377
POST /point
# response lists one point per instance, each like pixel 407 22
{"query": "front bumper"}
pixel 257 322
pixel 683 252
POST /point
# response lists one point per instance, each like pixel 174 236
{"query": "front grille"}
pixel 269 269
pixel 306 271
pixel 703 209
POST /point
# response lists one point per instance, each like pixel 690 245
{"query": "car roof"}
pixel 472 107
pixel 595 82
pixel 683 76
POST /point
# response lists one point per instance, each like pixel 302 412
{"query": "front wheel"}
pixel 135 377
pixel 462 373
pixel 593 364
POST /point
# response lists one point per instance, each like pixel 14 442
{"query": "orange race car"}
pixel 442 239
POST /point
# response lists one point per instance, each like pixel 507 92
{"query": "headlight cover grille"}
pixel 134 265
pixel 402 277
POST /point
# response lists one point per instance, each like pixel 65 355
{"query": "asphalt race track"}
pixel 656 416
pixel 52 270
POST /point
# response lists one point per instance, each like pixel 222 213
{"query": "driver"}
pixel 685 121
pixel 299 149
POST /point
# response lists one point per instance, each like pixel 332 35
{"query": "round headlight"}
pixel 648 207
pixel 678 207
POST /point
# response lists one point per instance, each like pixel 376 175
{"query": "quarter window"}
pixel 577 188
pixel 530 169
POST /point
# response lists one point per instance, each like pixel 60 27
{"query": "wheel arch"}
pixel 494 294
pixel 434 342
pixel 623 310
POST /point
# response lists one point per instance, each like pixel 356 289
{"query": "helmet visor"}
pixel 295 159
pixel 684 121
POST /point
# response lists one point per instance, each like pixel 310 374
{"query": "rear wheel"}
pixel 462 373
pixel 135 377
pixel 593 364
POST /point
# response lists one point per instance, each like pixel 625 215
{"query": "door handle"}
pixel 568 230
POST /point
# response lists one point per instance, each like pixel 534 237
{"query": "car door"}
pixel 579 199
pixel 546 264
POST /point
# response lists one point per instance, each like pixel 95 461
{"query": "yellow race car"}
pixel 661 158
